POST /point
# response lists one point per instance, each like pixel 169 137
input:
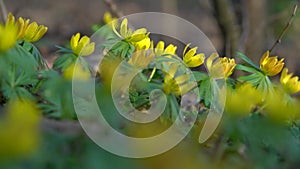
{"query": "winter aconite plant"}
pixel 30 87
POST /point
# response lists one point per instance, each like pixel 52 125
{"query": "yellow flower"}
pixel 290 84
pixel 220 67
pixel 270 65
pixel 19 129
pixel 81 46
pixel 160 49
pixel 191 58
pixel 29 32
pixel 8 37
pixel 141 59
pixel 34 32
pixel 177 84
pixel 128 34
pixel 242 100
pixel 76 73
pixel 228 65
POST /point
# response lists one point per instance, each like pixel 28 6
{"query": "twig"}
pixel 113 8
pixel 286 28
pixel 3 10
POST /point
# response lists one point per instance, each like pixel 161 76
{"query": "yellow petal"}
pixel 186 88
pixel 74 41
pixel 22 26
pixel 140 31
pixel 10 19
pixel 84 41
pixel 123 28
pixel 196 60
pixel 137 35
pixel 264 56
pixel 173 70
pixel 81 44
pixel 182 78
pixel 185 48
pixel 88 49
pixel 31 31
pixel 40 33
pixel 160 48
pixel 210 60
pixel 171 49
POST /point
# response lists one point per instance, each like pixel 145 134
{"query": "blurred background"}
pixel 248 26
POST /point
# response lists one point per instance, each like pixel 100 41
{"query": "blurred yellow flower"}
pixel 76 72
pixel 191 58
pixel 270 65
pixel 290 84
pixel 280 108
pixel 220 67
pixel 141 59
pixel 19 129
pixel 242 100
pixel 29 32
pixel 8 37
pixel 160 49
pixel 130 35
pixel 81 46
pixel 177 84
pixel 107 18
pixel 107 68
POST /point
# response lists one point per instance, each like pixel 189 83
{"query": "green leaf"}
pixel 174 107
pixel 23 93
pixel 205 91
pixel 231 82
pixel 199 76
pixel 248 61
pixel 246 68
pixel 266 86
pixel 36 54
pixel 121 49
pixel 64 61
pixel 96 27
pixel 254 78
pixel 63 49
pixel 22 59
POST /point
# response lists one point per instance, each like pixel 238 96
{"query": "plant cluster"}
pixel 256 104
